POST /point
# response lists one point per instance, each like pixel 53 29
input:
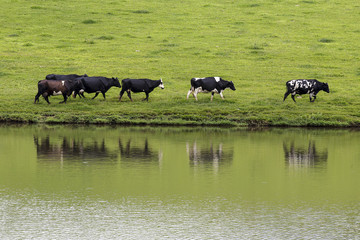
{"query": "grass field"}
pixel 258 45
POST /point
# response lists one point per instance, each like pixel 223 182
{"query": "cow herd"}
pixel 78 84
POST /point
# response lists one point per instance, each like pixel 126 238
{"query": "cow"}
pixel 64 77
pixel 209 84
pixel 139 85
pixel 48 88
pixel 304 86
pixel 97 85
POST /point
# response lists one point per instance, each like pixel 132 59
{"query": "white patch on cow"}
pixel 217 79
pixel 81 91
pixel 98 91
pixel 161 86
pixel 199 89
pixel 56 93
pixel 63 83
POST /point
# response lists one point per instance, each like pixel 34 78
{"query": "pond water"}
pixel 82 182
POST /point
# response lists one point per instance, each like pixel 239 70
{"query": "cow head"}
pixel 326 87
pixel 116 82
pixel 231 86
pixel 161 85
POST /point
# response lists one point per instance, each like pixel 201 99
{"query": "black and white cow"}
pixel 304 86
pixel 64 77
pixel 139 85
pixel 209 84
pixel 97 85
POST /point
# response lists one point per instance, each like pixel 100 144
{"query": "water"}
pixel 82 182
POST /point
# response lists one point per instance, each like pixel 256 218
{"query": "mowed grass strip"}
pixel 258 45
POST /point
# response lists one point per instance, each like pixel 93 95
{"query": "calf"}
pixel 97 85
pixel 48 88
pixel 64 77
pixel 209 84
pixel 139 85
pixel 304 86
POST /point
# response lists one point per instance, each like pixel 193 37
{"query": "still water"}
pixel 82 182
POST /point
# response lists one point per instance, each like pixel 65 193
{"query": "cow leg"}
pixel 188 94
pixel 195 93
pixel 129 95
pixel 221 95
pixel 37 97
pixel 293 97
pixel 147 97
pixel 65 98
pixel 46 98
pixel 95 95
pixel 312 95
pixel 212 96
pixel 312 100
pixel 103 93
pixel 286 94
pixel 121 94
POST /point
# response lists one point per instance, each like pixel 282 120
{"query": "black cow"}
pixel 97 85
pixel 209 84
pixel 48 88
pixel 64 77
pixel 139 85
pixel 304 86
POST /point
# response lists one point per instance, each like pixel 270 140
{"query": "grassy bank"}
pixel 258 45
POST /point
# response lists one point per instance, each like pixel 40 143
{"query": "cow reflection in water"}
pixel 73 149
pixel 300 156
pixel 213 155
pixel 133 153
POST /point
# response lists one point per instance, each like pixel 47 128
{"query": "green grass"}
pixel 258 45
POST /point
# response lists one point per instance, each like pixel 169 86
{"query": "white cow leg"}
pixel 188 94
pixel 221 95
pixel 195 93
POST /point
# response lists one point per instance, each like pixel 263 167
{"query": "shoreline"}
pixel 143 122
